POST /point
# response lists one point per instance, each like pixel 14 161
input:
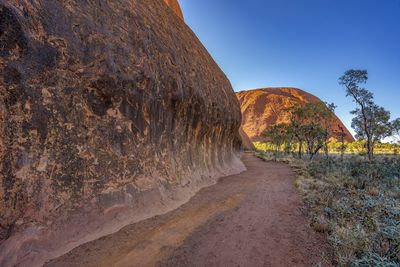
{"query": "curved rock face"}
pixel 246 142
pixel 264 107
pixel 174 5
pixel 108 115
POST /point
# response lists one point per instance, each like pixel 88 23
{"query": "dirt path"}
pixel 251 219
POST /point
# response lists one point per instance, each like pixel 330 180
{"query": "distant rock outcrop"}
pixel 175 7
pixel 110 112
pixel 264 107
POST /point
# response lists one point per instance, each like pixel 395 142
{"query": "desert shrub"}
pixel 373 259
pixel 357 204
pixel 360 202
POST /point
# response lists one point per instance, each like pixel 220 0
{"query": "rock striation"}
pixel 174 5
pixel 246 142
pixel 264 107
pixel 110 112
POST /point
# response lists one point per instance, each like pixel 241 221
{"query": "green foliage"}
pixel 371 122
pixel 358 147
pixel 277 134
pixel 396 129
pixel 309 125
pixel 377 120
pixel 334 147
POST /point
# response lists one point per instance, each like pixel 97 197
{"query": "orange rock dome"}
pixel 264 107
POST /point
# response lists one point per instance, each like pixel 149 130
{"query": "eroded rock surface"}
pixel 110 112
pixel 175 7
pixel 246 142
pixel 264 107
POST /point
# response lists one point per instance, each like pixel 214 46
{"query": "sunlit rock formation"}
pixel 110 112
pixel 175 7
pixel 264 107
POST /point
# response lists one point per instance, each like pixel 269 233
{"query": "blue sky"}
pixel 303 43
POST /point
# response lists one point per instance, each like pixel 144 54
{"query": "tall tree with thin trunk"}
pixel 297 118
pixel 317 127
pixel 371 122
pixel 341 134
pixel 277 135
pixel 378 125
pixel 352 80
pixel 396 129
pixel 327 118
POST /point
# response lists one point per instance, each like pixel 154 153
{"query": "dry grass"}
pixel 356 204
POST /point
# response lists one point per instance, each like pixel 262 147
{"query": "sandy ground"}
pixel 251 219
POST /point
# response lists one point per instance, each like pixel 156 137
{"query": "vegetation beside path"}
pixel 310 130
pixel 356 203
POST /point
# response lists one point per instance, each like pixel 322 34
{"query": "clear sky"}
pixel 303 43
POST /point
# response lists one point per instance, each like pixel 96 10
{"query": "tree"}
pixel 317 128
pixel 310 124
pixel 351 80
pixel 371 122
pixel 396 129
pixel 314 136
pixel 377 123
pixel 341 134
pixel 327 119
pixel 276 134
pixel 297 118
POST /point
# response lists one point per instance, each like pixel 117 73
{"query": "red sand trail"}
pixel 250 219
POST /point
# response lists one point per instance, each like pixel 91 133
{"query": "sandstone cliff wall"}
pixel 110 112
pixel 174 5
pixel 264 107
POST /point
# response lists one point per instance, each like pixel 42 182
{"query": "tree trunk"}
pixel 342 147
pixel 326 149
pixel 300 149
pixel 370 149
pixel 315 152
pixel 326 143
